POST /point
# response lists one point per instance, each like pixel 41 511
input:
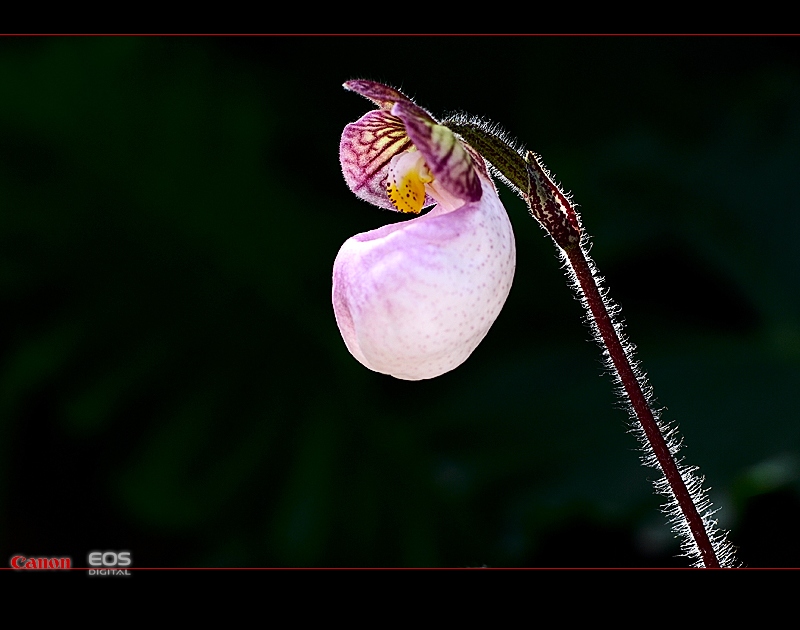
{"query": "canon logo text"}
pixel 22 562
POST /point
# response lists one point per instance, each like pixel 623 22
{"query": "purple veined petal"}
pixel 366 148
pixel 448 160
pixel 382 95
pixel 414 299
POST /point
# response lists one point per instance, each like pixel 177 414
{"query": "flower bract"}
pixel 413 299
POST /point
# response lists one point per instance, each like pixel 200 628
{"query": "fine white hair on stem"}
pixel 723 549
pixel 688 508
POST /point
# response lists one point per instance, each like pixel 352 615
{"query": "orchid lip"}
pixel 414 299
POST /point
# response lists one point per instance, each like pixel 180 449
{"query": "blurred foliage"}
pixel 172 380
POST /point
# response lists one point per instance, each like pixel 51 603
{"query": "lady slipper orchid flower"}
pixel 414 299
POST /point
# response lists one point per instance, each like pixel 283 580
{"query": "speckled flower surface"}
pixel 414 299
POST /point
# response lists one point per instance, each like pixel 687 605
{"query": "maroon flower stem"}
pixel 638 401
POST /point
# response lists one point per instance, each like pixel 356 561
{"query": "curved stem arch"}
pixel 688 507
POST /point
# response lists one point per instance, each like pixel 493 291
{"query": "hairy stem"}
pixel 619 358
pixel 688 507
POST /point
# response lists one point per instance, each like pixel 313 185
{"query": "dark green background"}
pixel 172 380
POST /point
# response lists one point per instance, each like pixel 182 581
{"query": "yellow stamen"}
pixel 406 181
